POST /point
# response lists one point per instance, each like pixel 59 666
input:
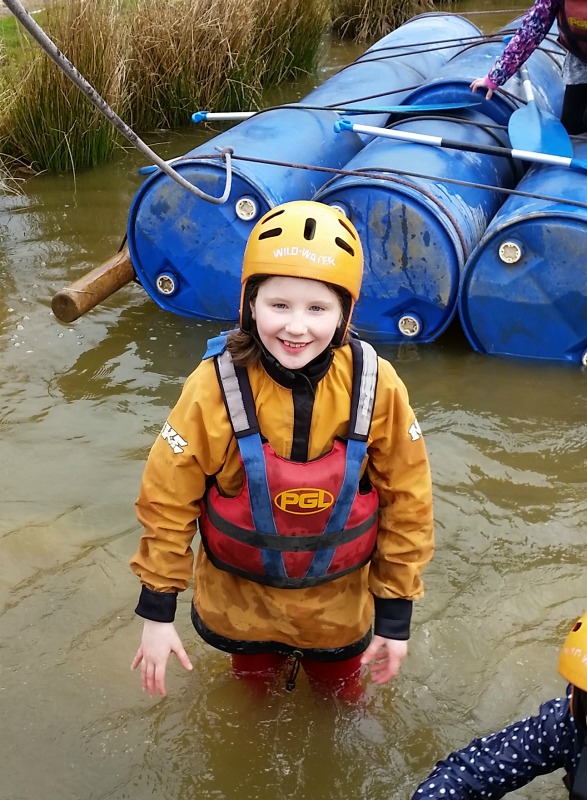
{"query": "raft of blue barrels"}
pixel 473 237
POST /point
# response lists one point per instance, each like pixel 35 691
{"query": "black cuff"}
pixel 157 606
pixel 392 618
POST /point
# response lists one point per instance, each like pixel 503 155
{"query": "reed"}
pixel 288 37
pixel 47 121
pixel 182 56
pixel 157 61
pixel 369 20
pixel 9 183
pixel 216 54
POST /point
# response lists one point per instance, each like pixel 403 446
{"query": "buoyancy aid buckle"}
pixel 297 656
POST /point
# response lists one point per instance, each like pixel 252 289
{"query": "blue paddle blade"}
pixel 532 128
pixel 407 109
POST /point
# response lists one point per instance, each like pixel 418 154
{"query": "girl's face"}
pixel 296 318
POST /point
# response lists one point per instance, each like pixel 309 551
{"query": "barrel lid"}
pixel 413 257
pixel 187 253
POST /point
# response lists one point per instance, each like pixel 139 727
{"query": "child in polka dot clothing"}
pixel 491 767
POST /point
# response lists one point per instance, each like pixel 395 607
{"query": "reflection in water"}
pixel 80 405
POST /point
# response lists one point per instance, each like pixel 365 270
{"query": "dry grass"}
pixel 369 20
pixel 287 38
pixel 47 120
pixel 155 62
pixel 186 55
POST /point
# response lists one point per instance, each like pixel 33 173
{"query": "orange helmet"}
pixel 572 662
pixel 304 239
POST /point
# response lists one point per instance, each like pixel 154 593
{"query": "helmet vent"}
pixel 309 229
pixel 344 246
pixel 577 626
pixel 270 234
pixel 347 228
pixel 268 218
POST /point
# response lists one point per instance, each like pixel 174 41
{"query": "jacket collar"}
pixel 312 373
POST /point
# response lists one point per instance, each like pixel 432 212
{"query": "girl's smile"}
pixel 296 318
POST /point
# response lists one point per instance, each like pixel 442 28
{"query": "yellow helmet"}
pixel 304 239
pixel 572 662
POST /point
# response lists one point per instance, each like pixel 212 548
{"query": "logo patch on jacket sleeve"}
pixel 415 431
pixel 173 439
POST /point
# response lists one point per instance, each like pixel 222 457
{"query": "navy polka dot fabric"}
pixel 491 767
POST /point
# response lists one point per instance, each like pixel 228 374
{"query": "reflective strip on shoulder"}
pixel 233 396
pixel 368 386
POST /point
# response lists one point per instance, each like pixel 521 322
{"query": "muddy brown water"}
pixel 80 406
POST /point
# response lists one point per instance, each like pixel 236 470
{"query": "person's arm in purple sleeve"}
pixel 535 26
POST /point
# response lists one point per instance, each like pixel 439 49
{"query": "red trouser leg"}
pixel 342 678
pixel 262 665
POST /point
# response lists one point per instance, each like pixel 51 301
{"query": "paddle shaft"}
pixel 422 138
pixel 228 116
pixel 527 84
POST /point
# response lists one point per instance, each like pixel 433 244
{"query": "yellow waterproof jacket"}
pixel 197 442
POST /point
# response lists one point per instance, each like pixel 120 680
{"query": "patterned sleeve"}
pixel 491 767
pixel 536 24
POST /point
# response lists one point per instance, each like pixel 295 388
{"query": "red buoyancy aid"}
pixel 572 25
pixel 294 524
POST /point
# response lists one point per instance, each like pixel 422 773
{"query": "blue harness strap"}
pixel 239 402
pixel 251 450
pixel 215 346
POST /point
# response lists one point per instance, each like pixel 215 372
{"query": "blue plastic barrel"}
pixel 396 64
pixel 427 41
pixel 524 290
pixel 418 228
pixel 187 252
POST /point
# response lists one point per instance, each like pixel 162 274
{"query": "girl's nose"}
pixel 296 325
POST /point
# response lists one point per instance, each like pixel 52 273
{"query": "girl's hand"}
pixel 385 657
pixel 158 641
pixel 481 83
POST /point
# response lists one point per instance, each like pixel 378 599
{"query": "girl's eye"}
pixel 316 308
pixel 279 305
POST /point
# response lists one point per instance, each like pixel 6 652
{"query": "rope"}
pixel 406 173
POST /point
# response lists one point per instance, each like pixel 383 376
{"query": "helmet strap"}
pixel 339 334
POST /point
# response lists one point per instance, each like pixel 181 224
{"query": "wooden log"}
pixel 84 294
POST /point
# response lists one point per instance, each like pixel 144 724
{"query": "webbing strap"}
pixel 251 449
pixel 364 386
pixel 237 394
pixel 355 454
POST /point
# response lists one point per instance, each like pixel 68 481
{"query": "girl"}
pixel 295 450
pixel 572 26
